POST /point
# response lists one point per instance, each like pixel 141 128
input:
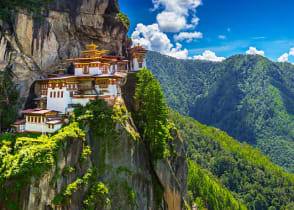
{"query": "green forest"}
pixel 249 97
pixel 221 170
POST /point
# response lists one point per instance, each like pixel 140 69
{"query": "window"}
pixel 50 94
pixel 39 119
pixel 54 94
pixel 58 94
pixel 62 94
pixel 140 65
pixel 86 69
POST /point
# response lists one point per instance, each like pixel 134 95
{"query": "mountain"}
pixel 249 97
pixel 226 174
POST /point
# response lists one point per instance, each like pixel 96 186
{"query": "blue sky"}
pixel 213 29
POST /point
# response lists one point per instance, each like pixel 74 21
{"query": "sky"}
pixel 213 29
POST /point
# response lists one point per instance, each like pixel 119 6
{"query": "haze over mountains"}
pixel 249 97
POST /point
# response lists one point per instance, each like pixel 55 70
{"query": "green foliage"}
pixel 124 19
pixel 249 97
pixel 67 170
pixel 31 157
pixel 245 171
pixel 208 193
pixel 119 113
pixel 8 99
pixel 97 195
pixel 98 116
pixel 85 153
pixel 7 7
pixel 152 113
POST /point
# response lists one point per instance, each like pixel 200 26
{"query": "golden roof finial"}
pixel 92 46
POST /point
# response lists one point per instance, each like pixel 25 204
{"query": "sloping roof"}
pixel 54 122
pixel 19 122
pixel 38 111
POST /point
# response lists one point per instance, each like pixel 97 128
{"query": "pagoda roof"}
pixel 138 49
pixel 19 122
pixel 115 75
pixel 37 111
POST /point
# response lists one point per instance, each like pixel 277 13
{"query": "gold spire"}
pixel 92 46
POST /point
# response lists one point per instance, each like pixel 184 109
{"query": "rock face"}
pixel 125 167
pixel 30 46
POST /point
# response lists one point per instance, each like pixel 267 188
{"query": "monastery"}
pixel 95 75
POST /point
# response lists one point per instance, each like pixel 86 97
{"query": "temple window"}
pixel 140 65
pixel 54 94
pixel 50 94
pixel 39 119
pixel 58 94
pixel 86 69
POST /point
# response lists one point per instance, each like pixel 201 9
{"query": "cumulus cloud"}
pixel 209 56
pixel 283 58
pixel 173 17
pixel 171 22
pixel 177 52
pixel 222 37
pixel 291 51
pixel 152 38
pixel 254 51
pixel 188 36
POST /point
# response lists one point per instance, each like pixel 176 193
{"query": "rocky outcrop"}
pixel 124 165
pixel 30 46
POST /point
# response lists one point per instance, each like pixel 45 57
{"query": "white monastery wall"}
pixel 58 99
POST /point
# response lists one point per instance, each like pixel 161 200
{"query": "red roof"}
pixel 19 122
pixel 38 111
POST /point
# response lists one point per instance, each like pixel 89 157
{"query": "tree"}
pixel 8 99
pixel 152 113
pixel 9 6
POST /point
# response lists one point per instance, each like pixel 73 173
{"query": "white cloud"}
pixel 209 56
pixel 178 52
pixel 173 18
pixel 258 37
pixel 283 58
pixel 222 37
pixel 188 36
pixel 291 51
pixel 171 22
pixel 229 29
pixel 254 51
pixel 151 38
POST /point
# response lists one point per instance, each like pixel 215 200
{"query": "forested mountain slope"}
pixel 249 97
pixel 217 161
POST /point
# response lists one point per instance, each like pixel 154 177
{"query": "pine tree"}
pixel 152 113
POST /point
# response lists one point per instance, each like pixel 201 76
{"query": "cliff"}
pixel 30 46
pixel 107 166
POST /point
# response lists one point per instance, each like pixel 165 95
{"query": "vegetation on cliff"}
pixel 8 100
pixel 7 7
pixel 249 97
pixel 25 158
pixel 152 113
pixel 244 171
pixel 124 19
